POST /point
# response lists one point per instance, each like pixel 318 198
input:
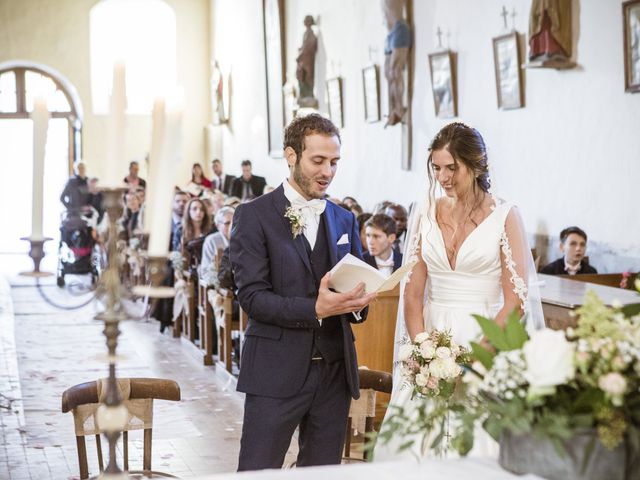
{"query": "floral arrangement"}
pixel 296 219
pixel 209 275
pixel 431 364
pixel 552 384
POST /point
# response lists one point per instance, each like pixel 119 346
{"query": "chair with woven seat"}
pixel 138 395
pixel 371 381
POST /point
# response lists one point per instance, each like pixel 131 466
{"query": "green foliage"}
pixel 493 332
pixel 484 356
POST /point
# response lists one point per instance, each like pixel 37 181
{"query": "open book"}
pixel 350 271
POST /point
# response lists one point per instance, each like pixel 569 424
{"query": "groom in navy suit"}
pixel 299 366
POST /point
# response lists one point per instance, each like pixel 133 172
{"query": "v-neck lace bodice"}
pixel 475 281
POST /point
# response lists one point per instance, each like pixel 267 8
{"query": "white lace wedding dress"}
pixel 452 296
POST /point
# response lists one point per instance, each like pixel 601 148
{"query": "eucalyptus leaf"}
pixel 494 333
pixel 484 356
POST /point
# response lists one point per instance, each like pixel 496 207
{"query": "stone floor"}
pixel 45 349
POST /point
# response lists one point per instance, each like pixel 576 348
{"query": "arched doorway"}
pixel 20 82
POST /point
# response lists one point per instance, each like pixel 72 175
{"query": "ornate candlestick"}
pixel 36 252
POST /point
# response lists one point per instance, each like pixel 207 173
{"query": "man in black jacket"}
pixel 573 244
pixel 248 186
pixel 76 192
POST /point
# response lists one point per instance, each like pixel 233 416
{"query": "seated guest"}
pixel 349 201
pixel 221 181
pixel 196 225
pixel 362 220
pixel 356 209
pixel 198 182
pixel 381 234
pixel 219 240
pixel 248 186
pixel 400 216
pixel 180 200
pixel 130 221
pixel 133 180
pixel 573 244
pixel 76 195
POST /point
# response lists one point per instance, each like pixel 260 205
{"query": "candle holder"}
pixel 36 252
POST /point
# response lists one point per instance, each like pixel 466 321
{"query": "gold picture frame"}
pixel 443 84
pixel 508 70
pixel 371 88
pixel 631 27
pixel 334 101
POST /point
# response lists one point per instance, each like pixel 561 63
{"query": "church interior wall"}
pixel 56 33
pixel 568 157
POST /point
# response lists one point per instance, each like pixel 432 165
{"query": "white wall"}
pixel 569 157
pixel 56 33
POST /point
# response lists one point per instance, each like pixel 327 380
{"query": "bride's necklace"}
pixel 458 225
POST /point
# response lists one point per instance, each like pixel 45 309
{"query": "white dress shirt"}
pixel 385 266
pixel 310 210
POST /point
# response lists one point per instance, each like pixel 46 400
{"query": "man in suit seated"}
pixel 573 244
pixel 381 234
pixel 248 186
pixel 221 181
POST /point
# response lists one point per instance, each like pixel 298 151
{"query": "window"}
pixel 142 33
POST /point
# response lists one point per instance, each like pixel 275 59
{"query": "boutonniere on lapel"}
pixel 294 215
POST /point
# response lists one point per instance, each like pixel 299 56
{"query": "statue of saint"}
pixel 396 54
pixel 550 30
pixel 305 69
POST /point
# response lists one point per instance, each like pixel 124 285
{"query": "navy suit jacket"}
pixel 277 289
pixel 371 260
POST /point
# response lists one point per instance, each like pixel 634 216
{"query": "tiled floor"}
pixel 44 350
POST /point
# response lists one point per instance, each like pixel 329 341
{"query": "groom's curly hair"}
pixel 300 127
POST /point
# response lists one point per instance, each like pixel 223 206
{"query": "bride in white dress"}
pixel 472 258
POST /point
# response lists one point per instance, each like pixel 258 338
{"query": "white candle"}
pixel 157 134
pixel 166 167
pixel 116 162
pixel 40 116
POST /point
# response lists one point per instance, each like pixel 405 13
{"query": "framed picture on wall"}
pixel 371 86
pixel 506 59
pixel 334 101
pixel 443 84
pixel 274 55
pixel 631 16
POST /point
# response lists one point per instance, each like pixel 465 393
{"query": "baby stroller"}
pixel 76 252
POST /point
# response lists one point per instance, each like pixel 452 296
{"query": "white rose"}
pixel 438 368
pixel 404 352
pixel 443 352
pixel 427 349
pixel 421 337
pixel 421 380
pixel 549 358
pixel 613 383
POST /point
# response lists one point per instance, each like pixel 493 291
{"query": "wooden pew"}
pixel 206 323
pixel 225 326
pixel 560 296
pixel 374 340
pixel 608 279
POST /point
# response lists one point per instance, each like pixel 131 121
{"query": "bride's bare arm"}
pixel 514 269
pixel 414 297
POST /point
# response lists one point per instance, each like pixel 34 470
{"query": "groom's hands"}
pixel 331 303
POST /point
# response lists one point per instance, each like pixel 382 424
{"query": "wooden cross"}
pixel 439 34
pixel 504 16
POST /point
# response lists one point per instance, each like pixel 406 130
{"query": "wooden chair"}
pixel 206 323
pixel 84 399
pixel 371 381
pixel 226 325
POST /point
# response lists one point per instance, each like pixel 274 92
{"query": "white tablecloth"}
pixel 454 469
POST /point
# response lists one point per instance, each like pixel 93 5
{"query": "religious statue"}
pixel 550 31
pixel 396 54
pixel 217 94
pixel 305 69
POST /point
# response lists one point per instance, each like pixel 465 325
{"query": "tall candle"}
pixel 40 116
pixel 166 167
pixel 116 161
pixel 157 134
